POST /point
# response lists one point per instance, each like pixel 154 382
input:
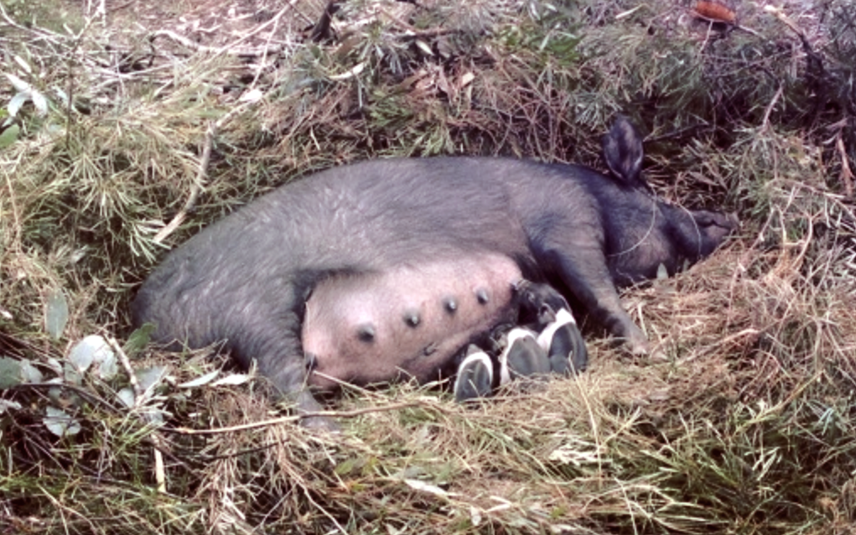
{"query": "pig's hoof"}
pixel 475 377
pixel 522 357
pixel 638 348
pixel 307 405
pixel 568 353
pixel 321 423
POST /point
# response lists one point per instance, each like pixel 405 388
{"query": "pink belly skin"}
pixel 407 321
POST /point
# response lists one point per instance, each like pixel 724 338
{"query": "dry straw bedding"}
pixel 741 421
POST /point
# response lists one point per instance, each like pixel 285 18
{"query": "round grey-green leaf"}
pixel 30 373
pixel 56 314
pixel 126 396
pixel 60 423
pixel 150 377
pixel 11 373
pixel 94 349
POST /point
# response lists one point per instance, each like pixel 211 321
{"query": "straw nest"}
pixel 128 127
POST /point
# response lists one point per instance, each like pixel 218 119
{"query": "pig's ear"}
pixel 622 152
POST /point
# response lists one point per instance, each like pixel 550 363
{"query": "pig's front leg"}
pixel 584 271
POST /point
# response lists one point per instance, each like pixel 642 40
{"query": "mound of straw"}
pixel 126 128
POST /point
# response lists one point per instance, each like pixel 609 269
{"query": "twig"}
pixel 201 175
pixel 297 417
pixel 765 124
pixel 184 41
pixel 846 173
pixel 126 364
pixel 160 475
pixel 34 29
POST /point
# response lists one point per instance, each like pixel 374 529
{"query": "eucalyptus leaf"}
pixel 200 381
pixel 7 405
pixel 54 365
pixel 72 374
pixel 423 46
pixel 16 103
pixel 427 487
pixel 60 423
pixel 232 380
pixel 9 136
pixel 23 63
pixel 150 377
pixel 56 314
pixel 82 355
pixel 92 349
pixel 475 516
pixel 11 373
pixel 63 96
pixel 108 367
pixel 19 85
pixel 155 417
pixel 30 373
pixel 39 101
pixel 126 396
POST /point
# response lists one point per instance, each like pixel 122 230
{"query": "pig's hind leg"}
pixel 274 343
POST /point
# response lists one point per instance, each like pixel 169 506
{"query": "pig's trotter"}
pixel 475 376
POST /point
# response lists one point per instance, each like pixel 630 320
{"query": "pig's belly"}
pixel 407 321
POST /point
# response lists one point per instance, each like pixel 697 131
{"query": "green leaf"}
pixel 56 314
pixel 139 339
pixel 9 136
pixel 60 423
pixel 11 373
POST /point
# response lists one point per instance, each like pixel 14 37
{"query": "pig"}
pixel 248 278
pixel 407 321
pixel 474 378
pixel 522 356
pixel 558 334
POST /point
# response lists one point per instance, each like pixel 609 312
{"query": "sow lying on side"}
pixel 359 231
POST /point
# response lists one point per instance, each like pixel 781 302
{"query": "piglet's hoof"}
pixel 638 345
pixel 564 345
pixel 475 376
pixel 522 357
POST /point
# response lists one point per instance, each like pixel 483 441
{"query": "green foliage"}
pixel 744 423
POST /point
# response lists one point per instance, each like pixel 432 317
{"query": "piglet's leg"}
pixel 586 275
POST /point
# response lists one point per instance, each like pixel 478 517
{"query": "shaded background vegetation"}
pixel 128 127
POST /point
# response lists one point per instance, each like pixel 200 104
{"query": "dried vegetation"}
pixel 125 128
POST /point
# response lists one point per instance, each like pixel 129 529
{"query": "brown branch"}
pixel 201 174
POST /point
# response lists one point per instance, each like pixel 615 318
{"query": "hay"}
pixel 142 122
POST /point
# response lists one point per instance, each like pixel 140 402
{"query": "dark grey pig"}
pixel 247 278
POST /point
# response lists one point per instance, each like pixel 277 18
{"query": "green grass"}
pixel 742 422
